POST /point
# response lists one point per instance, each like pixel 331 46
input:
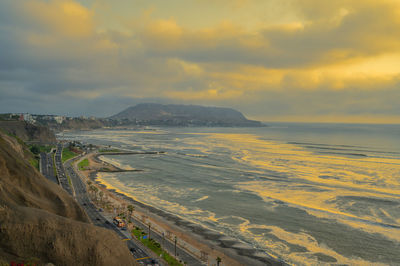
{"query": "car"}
pixel 107 222
pixel 100 209
pixel 98 219
pixel 154 262
pixel 84 204
pixel 123 228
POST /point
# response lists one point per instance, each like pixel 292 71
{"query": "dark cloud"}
pixel 50 65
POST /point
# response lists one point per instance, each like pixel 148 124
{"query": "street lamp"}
pixel 149 230
pixel 175 245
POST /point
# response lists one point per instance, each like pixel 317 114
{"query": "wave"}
pixel 298 204
pixel 201 199
pixel 343 153
pixel 343 147
pixel 193 155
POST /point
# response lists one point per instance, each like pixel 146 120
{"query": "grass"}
pixel 36 149
pixel 83 165
pixel 69 180
pixel 32 157
pixel 155 247
pixel 34 162
pixel 54 165
pixel 67 154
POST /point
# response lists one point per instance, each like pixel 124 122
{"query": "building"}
pixel 59 119
pixel 27 118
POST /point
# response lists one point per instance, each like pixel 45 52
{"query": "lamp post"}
pixel 149 230
pixel 175 245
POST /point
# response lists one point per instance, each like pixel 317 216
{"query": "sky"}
pixel 273 60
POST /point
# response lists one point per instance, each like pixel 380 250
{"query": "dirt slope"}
pixel 39 220
pixel 28 132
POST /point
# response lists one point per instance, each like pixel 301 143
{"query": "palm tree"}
pixel 131 208
pixel 101 194
pixel 90 189
pixel 94 190
pixel 218 261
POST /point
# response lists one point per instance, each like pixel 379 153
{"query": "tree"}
pixel 218 261
pixel 101 194
pixel 94 190
pixel 91 189
pixel 131 208
pixel 35 149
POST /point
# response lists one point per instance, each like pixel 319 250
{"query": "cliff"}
pixel 28 132
pixel 82 124
pixel 75 123
pixel 183 115
pixel 39 221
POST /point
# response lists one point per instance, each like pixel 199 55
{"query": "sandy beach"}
pixel 201 242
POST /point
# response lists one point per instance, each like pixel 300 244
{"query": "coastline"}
pixel 198 240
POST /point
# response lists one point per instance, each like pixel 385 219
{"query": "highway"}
pixel 78 190
pixel 81 195
pixel 62 177
pixel 169 245
pixel 47 166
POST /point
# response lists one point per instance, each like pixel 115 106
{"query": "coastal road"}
pixel 47 166
pixel 61 175
pixel 169 245
pixel 99 219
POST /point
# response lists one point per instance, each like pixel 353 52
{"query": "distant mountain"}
pixel 183 115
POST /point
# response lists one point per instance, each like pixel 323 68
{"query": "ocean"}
pixel 302 193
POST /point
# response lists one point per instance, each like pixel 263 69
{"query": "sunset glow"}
pixel 273 60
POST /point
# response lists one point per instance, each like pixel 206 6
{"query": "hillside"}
pixel 40 222
pixel 183 115
pixel 28 132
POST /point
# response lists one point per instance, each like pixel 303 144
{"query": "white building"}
pixel 28 118
pixel 59 119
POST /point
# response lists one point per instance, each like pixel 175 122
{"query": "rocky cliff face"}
pixel 40 221
pixel 28 132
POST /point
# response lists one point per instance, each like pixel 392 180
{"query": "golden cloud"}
pixel 64 17
pixel 317 46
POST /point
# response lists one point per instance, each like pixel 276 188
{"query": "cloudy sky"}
pixel 274 60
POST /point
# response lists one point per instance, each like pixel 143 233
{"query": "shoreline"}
pixel 206 242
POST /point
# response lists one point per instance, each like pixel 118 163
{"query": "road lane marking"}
pixel 143 258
